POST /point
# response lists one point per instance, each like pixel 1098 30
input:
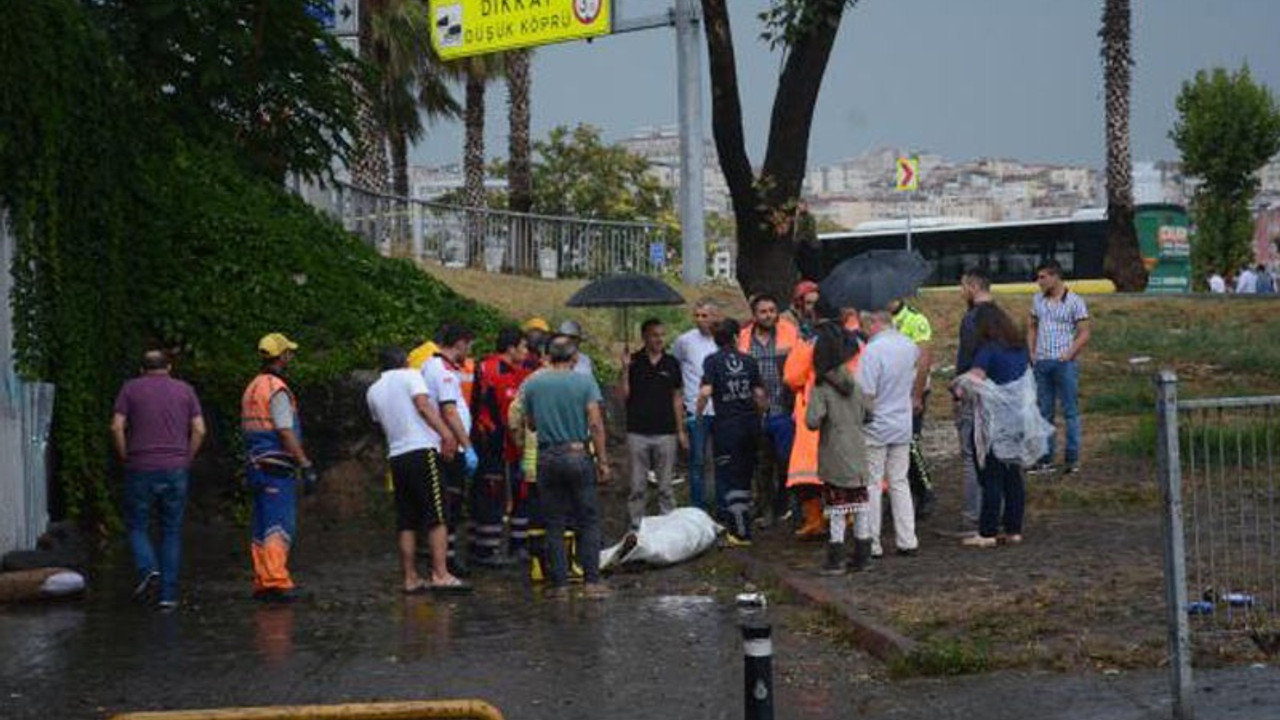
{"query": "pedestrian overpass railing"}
pixel 1217 460
pixel 497 240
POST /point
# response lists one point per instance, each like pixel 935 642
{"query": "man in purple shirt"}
pixel 156 428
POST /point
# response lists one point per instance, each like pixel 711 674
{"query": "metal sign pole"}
pixel 909 194
pixel 693 246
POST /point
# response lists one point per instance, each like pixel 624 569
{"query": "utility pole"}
pixel 693 240
pixel 687 19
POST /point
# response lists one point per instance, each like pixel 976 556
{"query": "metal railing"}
pixel 411 710
pixel 1217 463
pixel 499 241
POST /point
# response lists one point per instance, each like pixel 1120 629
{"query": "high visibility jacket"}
pixel 799 375
pixel 261 436
pixel 497 386
pixel 786 336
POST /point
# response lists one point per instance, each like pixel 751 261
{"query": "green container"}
pixel 1165 241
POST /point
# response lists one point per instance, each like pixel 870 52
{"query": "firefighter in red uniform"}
pixel 499 486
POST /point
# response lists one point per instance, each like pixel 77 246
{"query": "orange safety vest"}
pixel 255 404
pixel 786 336
pixel 799 375
pixel 262 442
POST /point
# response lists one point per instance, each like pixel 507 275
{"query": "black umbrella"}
pixel 873 279
pixel 625 291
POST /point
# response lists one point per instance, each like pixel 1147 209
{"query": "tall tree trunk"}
pixel 1123 263
pixel 766 257
pixel 473 166
pixel 519 174
pixel 399 145
pixel 369 159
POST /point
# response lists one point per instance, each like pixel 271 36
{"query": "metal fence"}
pixel 26 411
pixel 1217 462
pixel 499 241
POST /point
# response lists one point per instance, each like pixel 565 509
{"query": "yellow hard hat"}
pixel 273 345
pixel 536 323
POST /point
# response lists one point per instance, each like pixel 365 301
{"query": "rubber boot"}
pixel 860 560
pixel 537 555
pixel 814 527
pixel 835 564
pixel 571 552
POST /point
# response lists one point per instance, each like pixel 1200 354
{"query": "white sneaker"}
pixel 876 549
pixel 653 478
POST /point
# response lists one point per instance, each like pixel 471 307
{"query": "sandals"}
pixel 452 587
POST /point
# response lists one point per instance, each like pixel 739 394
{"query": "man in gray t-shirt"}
pixel 887 376
pixel 563 406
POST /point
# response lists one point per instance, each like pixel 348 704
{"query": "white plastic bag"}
pixel 665 539
pixel 1012 427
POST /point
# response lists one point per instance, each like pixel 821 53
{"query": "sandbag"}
pixel 665 539
pixel 41 583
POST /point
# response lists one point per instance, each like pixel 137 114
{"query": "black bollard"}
pixel 757 651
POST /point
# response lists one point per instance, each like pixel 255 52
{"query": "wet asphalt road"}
pixel 666 646
pixel 663 646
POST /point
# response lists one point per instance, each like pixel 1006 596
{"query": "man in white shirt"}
pixel 887 376
pixel 449 377
pixel 1247 282
pixel 416 438
pixel 1217 284
pixel 692 349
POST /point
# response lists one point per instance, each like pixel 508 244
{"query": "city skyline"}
pixel 1004 79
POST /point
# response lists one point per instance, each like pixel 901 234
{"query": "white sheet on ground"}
pixel 666 539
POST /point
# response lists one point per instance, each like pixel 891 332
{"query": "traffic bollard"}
pixel 757 650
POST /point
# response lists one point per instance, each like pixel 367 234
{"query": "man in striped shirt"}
pixel 1058 331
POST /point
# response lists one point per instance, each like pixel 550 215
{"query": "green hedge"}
pixel 129 236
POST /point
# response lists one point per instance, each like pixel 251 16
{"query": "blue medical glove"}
pixel 472 460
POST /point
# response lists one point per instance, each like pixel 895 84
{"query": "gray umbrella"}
pixel 625 291
pixel 873 279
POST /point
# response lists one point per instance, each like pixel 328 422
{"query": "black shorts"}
pixel 419 486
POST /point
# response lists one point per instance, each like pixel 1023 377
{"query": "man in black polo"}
pixel 652 391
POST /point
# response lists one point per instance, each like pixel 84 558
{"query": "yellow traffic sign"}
pixel 908 173
pixel 461 28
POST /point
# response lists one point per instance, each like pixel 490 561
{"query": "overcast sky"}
pixel 965 78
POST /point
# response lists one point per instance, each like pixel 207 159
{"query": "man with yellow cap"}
pixel 273 441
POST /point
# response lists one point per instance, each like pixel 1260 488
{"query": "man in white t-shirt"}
pixel 1217 284
pixel 449 377
pixel 416 438
pixel 692 349
pixel 1247 281
pixel 887 375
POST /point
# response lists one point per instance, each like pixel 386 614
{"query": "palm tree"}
pixel 411 81
pixel 1123 262
pixel 519 174
pixel 475 72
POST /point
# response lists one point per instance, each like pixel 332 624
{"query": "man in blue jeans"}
pixel 1058 331
pixel 564 408
pixel 692 349
pixel 156 428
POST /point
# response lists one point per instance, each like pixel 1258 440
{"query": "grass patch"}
pixel 1098 497
pixel 943 658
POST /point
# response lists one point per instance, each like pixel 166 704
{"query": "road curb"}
pixel 880 642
